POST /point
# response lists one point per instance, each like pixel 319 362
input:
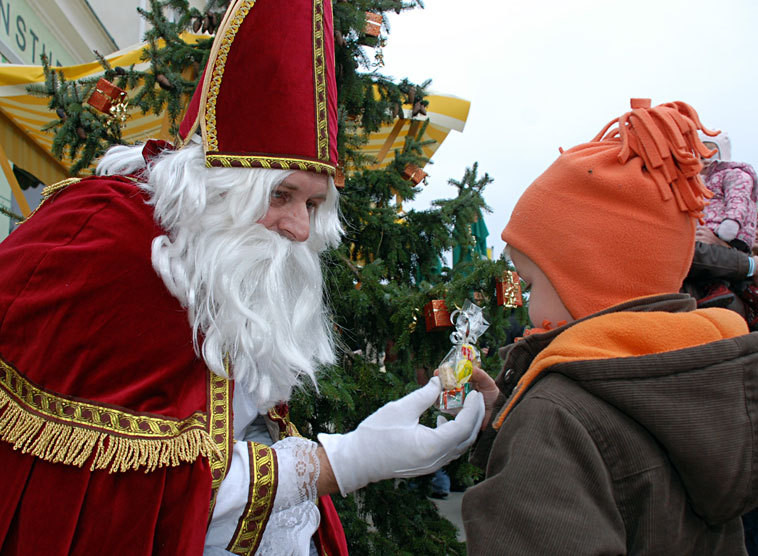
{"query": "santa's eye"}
pixel 280 196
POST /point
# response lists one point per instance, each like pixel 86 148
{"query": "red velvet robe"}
pixel 113 434
pixel 87 323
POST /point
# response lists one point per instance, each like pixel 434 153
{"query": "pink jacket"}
pixel 735 190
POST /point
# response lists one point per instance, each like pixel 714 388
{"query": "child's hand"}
pixel 704 235
pixel 485 384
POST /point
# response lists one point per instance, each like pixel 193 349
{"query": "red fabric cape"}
pixel 82 312
pixel 84 319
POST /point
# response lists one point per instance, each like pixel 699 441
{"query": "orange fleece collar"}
pixel 628 334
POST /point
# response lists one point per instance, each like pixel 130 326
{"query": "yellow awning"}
pixel 29 113
pixel 444 112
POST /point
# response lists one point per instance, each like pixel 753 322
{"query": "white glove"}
pixel 728 229
pixel 390 443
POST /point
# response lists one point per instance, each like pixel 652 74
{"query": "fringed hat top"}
pixel 268 96
pixel 666 139
pixel 614 219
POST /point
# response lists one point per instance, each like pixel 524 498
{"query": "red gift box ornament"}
pixel 414 173
pixel 339 178
pixel 436 315
pixel 372 29
pixel 373 24
pixel 509 290
pixel 110 100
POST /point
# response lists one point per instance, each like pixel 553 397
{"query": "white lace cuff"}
pixel 299 471
pixel 245 512
pixel 295 516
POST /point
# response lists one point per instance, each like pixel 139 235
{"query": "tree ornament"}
pixel 509 290
pixel 414 173
pixel 373 24
pixel 61 114
pixel 414 322
pixel 110 100
pixel 436 315
pixel 372 29
pixel 339 178
pixel 119 70
pixel 81 133
pixel 196 24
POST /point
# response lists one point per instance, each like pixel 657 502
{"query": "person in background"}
pixel 731 215
pixel 715 261
pixel 633 427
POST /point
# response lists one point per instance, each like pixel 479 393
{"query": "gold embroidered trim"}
pixel 319 77
pixel 48 192
pixel 218 72
pixel 263 483
pixel 54 188
pixel 254 161
pixel 62 430
pixel 220 428
pixel 286 427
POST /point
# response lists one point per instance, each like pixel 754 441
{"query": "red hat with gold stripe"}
pixel 268 96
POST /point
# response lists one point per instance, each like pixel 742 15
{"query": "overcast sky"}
pixel 542 74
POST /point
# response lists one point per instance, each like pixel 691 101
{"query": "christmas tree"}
pixel 389 267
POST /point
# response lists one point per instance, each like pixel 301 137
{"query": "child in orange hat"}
pixel 632 427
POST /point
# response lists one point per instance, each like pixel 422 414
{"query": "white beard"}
pixel 250 293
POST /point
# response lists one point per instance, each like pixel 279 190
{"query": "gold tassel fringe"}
pixel 71 445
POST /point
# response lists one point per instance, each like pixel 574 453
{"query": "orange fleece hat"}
pixel 614 219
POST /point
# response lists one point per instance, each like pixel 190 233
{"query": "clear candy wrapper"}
pixel 457 367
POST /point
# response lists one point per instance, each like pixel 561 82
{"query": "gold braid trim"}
pixel 220 426
pixel 260 501
pixel 214 86
pixel 319 78
pixel 264 161
pixel 282 419
pixel 49 191
pixel 63 430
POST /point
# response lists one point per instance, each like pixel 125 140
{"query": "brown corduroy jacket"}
pixel 623 453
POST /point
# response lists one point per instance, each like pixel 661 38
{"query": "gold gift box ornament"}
pixel 110 100
pixel 508 290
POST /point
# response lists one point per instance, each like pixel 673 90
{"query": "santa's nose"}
pixel 297 225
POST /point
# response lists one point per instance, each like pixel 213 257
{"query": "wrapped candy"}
pixel 457 367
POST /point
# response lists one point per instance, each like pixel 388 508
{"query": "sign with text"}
pixel 24 37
